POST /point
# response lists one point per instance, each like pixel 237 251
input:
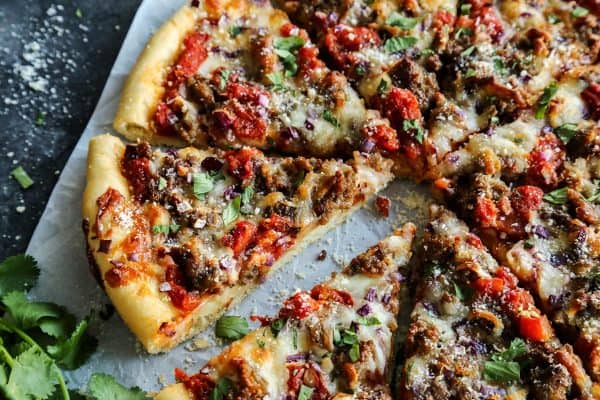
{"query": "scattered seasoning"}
pixel 22 177
pixel 383 205
pixel 322 255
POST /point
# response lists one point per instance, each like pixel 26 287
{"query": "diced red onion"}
pixel 386 298
pixel 309 125
pixel 364 310
pixel 371 295
pixel 222 119
pixel 226 263
pixel 135 257
pixel 366 146
pixel 116 263
pixel 263 100
pixel 541 231
pixel 296 357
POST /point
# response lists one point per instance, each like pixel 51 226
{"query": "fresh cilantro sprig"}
pixel 503 366
pixel 286 49
pixel 43 337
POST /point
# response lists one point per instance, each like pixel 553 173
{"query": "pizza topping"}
pixel 591 97
pixel 231 327
pixel 135 166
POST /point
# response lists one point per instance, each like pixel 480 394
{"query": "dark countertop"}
pixel 55 58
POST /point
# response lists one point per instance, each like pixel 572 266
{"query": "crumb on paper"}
pixel 20 209
pixel 197 344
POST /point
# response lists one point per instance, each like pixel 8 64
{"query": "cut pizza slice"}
pixel 551 241
pixel 333 342
pixel 232 73
pixel 474 333
pixel 177 236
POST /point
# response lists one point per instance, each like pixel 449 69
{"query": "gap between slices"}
pixel 335 340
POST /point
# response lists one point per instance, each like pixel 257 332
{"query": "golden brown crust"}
pixel 144 86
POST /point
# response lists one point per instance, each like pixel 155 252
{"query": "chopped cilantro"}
pixel 465 9
pixel 78 13
pixel 72 352
pixel 276 79
pixel 231 327
pixel 596 195
pixel 566 132
pixel 329 117
pixel 277 325
pixel 549 92
pixel 261 343
pixel 470 73
pixel 415 126
pixel 499 66
pixel 295 338
pixel 285 49
pixel 232 211
pixel 40 119
pixel 462 293
pixel 558 196
pixel 368 321
pixel 553 19
pixel 468 51
pixel 396 44
pixel 162 183
pixel 224 78
pixel 503 367
pixel 397 19
pixel 463 32
pixel 360 70
pixel 221 389
pixel 305 392
pixel 247 195
pixel 21 176
pixel 580 12
pixel 354 352
pixel 382 87
pixel 202 183
pixel 235 30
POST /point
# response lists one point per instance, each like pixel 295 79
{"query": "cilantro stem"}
pixel 27 339
pixel 7 357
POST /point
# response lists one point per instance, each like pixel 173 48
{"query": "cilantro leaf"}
pixel 397 19
pixel 285 48
pixel 40 119
pixel 566 132
pixel 27 314
pixel 33 374
pixel 232 211
pixel 74 351
pixel 232 327
pixel 553 19
pixel 235 30
pixel 162 183
pixel 579 12
pixel 396 44
pixel 468 51
pixel 549 92
pixel 305 392
pixel 276 79
pixel 516 349
pixel 462 293
pixel 247 195
pixel 558 196
pixel 502 371
pixel 277 325
pixel 414 125
pixel 18 272
pixel 596 195
pixel 202 183
pixel 329 117
pixel 368 321
pixel 22 177
pixel 224 78
pixel 382 87
pixel 354 352
pixel 105 387
pixel 465 9
pixel 58 327
pixel 222 388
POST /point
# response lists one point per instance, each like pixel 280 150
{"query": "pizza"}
pixel 465 84
pixel 475 333
pixel 233 73
pixel 551 242
pixel 334 341
pixel 176 236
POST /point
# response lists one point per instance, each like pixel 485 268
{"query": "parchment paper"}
pixel 58 244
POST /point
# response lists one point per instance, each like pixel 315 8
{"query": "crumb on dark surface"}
pixel 56 56
pixel 322 254
pixel 383 206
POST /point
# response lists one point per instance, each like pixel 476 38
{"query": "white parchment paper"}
pixel 58 244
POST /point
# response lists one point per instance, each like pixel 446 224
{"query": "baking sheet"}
pixel 58 245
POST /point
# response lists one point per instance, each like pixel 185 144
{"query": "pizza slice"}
pixel 333 342
pixel 474 333
pixel 232 73
pixel 177 236
pixel 551 241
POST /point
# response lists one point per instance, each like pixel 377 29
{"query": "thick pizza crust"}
pixel 144 87
pixel 139 302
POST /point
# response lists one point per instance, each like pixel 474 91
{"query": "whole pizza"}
pixel 253 127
